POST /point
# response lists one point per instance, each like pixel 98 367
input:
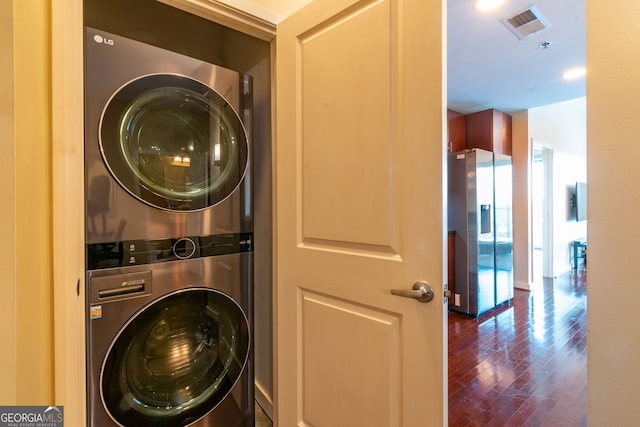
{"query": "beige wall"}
pixel 26 302
pixel 7 218
pixel 613 150
pixel 521 154
pixel 562 127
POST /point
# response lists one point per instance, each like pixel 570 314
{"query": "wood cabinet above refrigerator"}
pixel 489 130
pixel 456 131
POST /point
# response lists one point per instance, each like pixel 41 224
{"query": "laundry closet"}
pixel 160 211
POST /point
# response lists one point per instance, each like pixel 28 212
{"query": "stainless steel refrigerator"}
pixel 480 214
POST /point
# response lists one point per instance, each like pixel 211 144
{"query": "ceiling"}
pixel 489 67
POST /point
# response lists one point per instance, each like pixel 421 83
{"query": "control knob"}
pixel 184 248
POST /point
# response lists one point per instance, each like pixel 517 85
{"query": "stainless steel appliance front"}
pixel 169 343
pixel 167 143
pixel 480 214
pixel 169 226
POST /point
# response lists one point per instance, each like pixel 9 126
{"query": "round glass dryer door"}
pixel 173 142
pixel 175 360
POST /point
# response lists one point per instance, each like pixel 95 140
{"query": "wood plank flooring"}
pixel 523 364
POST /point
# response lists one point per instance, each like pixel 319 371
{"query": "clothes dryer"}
pixel 167 143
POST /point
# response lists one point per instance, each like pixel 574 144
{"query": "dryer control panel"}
pixel 140 252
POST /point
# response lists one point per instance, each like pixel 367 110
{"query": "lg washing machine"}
pixel 169 344
pixel 169 229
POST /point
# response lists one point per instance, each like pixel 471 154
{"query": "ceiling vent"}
pixel 526 23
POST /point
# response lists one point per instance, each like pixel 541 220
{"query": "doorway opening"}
pixel 542 212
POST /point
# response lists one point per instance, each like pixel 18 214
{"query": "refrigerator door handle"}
pixel 422 291
pixel 485 219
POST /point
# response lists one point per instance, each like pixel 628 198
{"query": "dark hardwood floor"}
pixel 523 364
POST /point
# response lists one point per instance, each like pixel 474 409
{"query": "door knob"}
pixel 422 291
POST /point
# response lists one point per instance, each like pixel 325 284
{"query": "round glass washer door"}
pixel 176 360
pixel 173 142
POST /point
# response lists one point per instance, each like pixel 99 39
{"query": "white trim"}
pixel 242 15
pixel 252 8
pixel 546 184
pixel 68 209
pixel 263 399
pixel 274 243
pixel 8 316
pixel 548 218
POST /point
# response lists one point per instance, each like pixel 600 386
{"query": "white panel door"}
pixel 359 194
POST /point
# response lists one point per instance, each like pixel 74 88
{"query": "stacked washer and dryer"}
pixel 169 229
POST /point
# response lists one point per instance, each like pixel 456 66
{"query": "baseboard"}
pixel 525 286
pixel 567 270
pixel 264 400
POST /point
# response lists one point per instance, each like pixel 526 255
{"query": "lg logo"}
pixel 99 39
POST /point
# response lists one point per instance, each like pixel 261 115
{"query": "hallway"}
pixel 524 364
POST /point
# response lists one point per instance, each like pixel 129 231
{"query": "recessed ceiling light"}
pixel 574 73
pixel 484 5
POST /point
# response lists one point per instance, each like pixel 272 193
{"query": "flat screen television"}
pixel 581 201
